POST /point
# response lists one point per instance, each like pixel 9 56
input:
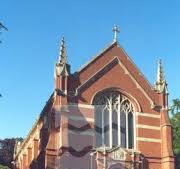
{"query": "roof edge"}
pixel 133 63
pixel 34 126
pixel 96 56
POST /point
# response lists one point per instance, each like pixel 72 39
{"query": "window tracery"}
pixel 114 122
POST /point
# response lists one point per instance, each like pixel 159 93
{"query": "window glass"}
pixel 113 120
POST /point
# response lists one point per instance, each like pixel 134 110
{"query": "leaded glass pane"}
pixel 123 129
pixel 98 126
pixel 114 128
pixel 130 130
pixel 114 120
pixel 106 128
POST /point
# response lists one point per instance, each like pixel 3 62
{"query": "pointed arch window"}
pixel 114 120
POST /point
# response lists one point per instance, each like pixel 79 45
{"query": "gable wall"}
pixel 74 138
pixel 107 56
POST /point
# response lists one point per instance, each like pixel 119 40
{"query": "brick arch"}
pixel 121 137
pixel 135 103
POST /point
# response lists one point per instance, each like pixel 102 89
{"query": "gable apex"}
pixel 87 72
pixel 136 73
pixel 104 50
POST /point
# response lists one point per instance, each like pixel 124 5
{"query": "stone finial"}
pixel 160 73
pixel 160 85
pixel 62 68
pixel 62 54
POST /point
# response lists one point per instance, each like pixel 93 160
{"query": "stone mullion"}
pixel 110 123
pixel 127 137
pixel 119 122
pixel 134 130
pixel 103 134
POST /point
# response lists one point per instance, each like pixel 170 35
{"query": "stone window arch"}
pixel 114 120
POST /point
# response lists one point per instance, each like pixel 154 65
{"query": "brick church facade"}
pixel 104 116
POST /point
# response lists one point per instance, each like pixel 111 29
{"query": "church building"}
pixel 106 115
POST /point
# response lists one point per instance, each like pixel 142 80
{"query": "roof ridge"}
pixel 94 57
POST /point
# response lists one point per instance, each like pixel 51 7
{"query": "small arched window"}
pixel 114 120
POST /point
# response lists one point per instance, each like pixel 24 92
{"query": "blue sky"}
pixel 148 30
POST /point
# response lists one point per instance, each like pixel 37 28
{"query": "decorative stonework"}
pixel 118 154
pixel 117 119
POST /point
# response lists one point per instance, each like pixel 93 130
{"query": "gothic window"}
pixel 114 120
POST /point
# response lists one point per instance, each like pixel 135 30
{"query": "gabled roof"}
pixel 129 65
pixel 38 120
pixel 95 76
pixel 136 73
pixel 104 50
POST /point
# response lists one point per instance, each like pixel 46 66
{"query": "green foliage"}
pixel 3 167
pixel 7 151
pixel 175 107
pixel 2 27
pixel 175 121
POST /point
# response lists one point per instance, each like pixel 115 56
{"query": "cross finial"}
pixel 116 31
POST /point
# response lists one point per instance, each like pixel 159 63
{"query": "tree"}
pixel 175 107
pixel 175 121
pixel 3 167
pixel 7 151
pixel 2 27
